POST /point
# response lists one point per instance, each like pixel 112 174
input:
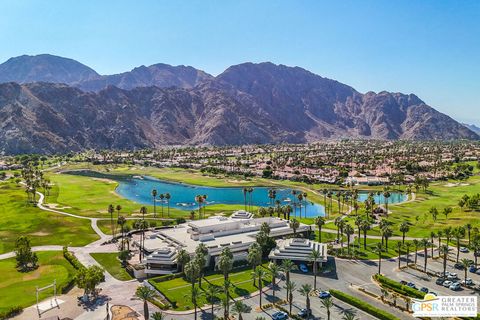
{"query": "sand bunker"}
pixel 123 313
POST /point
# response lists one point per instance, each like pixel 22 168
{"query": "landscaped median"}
pixel 399 288
pixel 362 305
pixel 177 290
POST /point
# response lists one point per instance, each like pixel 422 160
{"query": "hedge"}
pixel 398 287
pixel 13 311
pixel 362 305
pixel 72 259
pixel 165 277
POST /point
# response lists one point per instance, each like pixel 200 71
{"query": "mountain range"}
pixel 50 104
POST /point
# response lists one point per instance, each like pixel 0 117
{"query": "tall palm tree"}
pixel 432 239
pixel 294 224
pixel 226 303
pixel 319 222
pixel 424 242
pixel 408 245
pixel 315 256
pixel 154 196
pixel 439 235
pixel 111 209
pixel 348 314
pixel 305 290
pixel 240 308
pixel 290 286
pixel 399 250
pixel 211 295
pixel 287 266
pixel 254 257
pixel 404 228
pixel 225 263
pixel 161 196
pixel 245 190
pixel 260 274
pixel 348 232
pixel 194 295
pixel 416 243
pixel 274 271
pixel 465 265
pixel 168 197
pixel 444 251
pixel 121 221
pixel 327 304
pixel 378 250
pixel 145 293
pixel 183 258
pixel 365 227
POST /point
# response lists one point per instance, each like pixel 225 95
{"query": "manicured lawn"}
pixel 359 252
pixel 42 227
pixel 18 289
pixel 417 214
pixel 178 290
pixel 111 263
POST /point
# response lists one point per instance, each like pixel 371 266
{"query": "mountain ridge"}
pixel 246 104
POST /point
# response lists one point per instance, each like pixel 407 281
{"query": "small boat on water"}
pixel 287 200
pixel 138 177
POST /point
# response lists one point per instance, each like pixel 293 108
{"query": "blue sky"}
pixel 430 48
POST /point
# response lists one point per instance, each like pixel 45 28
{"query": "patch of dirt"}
pixel 124 313
pixel 104 180
pixel 40 234
pixel 55 206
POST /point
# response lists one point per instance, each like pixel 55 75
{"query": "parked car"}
pixel 463 249
pixel 304 313
pixel 279 315
pixel 458 265
pixel 447 283
pixel 478 271
pixel 434 293
pixel 440 281
pixel 452 276
pixel 303 267
pixel 468 282
pixel 472 269
pixel 455 286
pixel 424 289
pixel 403 282
pixel 324 295
pixel 411 285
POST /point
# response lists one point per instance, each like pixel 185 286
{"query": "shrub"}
pixel 180 220
pixel 165 278
pixel 398 287
pixel 362 305
pixel 13 311
pixel 72 259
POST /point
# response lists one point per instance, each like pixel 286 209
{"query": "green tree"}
pixel 315 257
pixel 240 308
pixel 26 259
pixel 88 278
pixel 327 304
pixel 305 290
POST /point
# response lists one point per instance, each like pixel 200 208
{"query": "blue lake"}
pixel 139 189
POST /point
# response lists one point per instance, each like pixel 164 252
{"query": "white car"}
pixel 468 282
pixel 455 286
pixel 447 284
pixel 452 276
pixel 463 249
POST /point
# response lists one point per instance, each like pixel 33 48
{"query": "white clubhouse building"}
pixel 237 232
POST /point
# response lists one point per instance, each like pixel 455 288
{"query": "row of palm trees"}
pixel 162 197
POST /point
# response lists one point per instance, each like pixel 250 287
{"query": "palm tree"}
pixel 245 190
pixel 183 258
pixel 365 227
pixel 195 295
pixel 168 197
pixel 111 209
pixel 348 314
pixel 287 266
pixel 161 196
pixel 399 250
pixel 404 228
pixel 468 227
pixel 305 290
pixel 425 243
pixel 416 243
pixel 327 304
pixel 226 301
pixel 154 196
pixel 458 233
pixel 192 271
pixel 379 249
pixel 290 287
pixel 274 270
pixel 294 224
pixel 145 293
pixel 432 238
pixel 444 251
pixel 225 263
pixel 439 235
pixel 407 256
pixel 211 295
pixel 348 232
pixel 239 308
pixel 254 257
pixel 315 256
pixel 260 274
pixel 121 221
pixel 319 222
pixel 465 264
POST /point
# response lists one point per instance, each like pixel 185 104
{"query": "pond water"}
pixel 139 189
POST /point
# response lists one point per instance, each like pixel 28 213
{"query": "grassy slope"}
pixel 111 263
pixel 18 289
pixel 179 290
pixel 20 218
